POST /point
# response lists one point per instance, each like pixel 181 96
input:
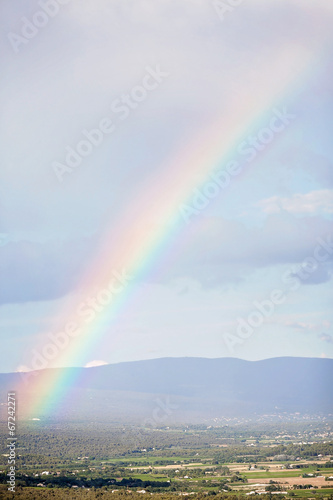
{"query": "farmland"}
pixel 287 459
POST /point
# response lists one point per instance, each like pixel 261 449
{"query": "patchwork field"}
pixel 183 460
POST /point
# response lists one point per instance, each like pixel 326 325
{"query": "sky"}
pixel 166 182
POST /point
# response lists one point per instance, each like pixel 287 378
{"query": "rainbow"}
pixel 137 246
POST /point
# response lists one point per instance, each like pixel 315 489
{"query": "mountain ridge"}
pixel 199 387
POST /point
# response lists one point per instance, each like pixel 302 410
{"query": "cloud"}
pixel 214 250
pixel 322 274
pixel 325 337
pixel 23 369
pixel 210 250
pixel 265 54
pixel 96 362
pixel 302 326
pixel 312 203
pixel 32 271
pixel 305 327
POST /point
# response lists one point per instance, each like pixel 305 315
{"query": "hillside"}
pixel 191 389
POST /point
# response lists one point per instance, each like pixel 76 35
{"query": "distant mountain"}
pixel 166 390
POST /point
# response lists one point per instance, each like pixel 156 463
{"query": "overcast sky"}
pixel 214 149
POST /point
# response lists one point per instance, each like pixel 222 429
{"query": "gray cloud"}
pixel 36 272
pixel 213 251
pixel 325 337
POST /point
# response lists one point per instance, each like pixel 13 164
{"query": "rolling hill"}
pixel 189 389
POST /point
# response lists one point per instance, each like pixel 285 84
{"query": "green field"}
pixel 148 459
pixel 311 493
pixel 285 473
pixel 148 477
pixel 264 475
pixel 113 459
